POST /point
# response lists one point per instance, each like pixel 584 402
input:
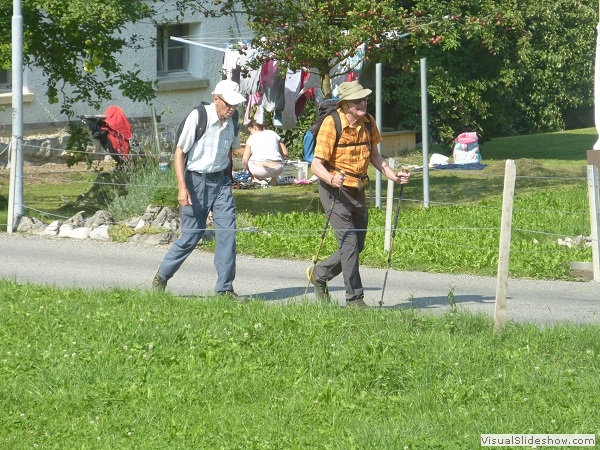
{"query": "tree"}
pixel 318 36
pixel 76 44
pixel 523 69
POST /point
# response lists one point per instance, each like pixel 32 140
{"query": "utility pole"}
pixel 15 196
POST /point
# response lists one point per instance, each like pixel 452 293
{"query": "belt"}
pixel 208 175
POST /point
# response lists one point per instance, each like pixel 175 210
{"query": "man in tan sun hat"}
pixel 204 185
pixel 341 166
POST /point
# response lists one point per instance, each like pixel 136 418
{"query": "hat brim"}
pixel 356 95
pixel 233 98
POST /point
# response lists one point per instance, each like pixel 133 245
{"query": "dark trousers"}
pixel 349 220
pixel 209 192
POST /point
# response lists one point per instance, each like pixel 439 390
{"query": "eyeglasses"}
pixel 358 101
pixel 226 104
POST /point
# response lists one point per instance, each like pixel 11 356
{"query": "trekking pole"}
pixel 389 260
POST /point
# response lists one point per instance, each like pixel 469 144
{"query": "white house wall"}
pixel 175 94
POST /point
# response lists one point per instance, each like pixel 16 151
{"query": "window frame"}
pixel 167 48
pixel 5 80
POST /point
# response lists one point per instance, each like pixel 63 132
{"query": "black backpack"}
pixel 326 108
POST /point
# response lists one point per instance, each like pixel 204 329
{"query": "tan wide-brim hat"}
pixel 351 90
pixel 229 91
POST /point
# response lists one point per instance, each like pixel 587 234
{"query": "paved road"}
pixel 92 264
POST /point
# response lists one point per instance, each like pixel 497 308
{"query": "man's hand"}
pixel 184 198
pixel 402 177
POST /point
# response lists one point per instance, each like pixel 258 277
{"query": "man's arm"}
pixel 183 197
pixel 379 163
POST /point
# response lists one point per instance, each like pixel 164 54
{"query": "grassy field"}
pixel 137 370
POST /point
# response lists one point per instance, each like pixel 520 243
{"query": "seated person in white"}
pixel 264 153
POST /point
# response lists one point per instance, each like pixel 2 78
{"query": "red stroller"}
pixel 113 131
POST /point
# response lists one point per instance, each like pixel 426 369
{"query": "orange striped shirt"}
pixel 352 159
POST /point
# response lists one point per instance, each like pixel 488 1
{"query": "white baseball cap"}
pixel 229 91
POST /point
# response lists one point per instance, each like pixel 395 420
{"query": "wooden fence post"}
pixel 594 197
pixel 504 251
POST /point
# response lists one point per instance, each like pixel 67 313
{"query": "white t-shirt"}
pixel 264 146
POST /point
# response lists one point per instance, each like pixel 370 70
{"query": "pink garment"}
pixel 301 102
pixel 268 72
pixel 254 100
pixel 352 76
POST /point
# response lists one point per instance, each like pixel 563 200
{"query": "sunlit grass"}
pixel 131 369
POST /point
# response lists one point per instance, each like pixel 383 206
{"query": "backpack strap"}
pixel 338 125
pixel 338 130
pixel 202 121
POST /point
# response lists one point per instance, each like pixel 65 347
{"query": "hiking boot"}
pixel 358 303
pixel 321 291
pixel 231 294
pixel 159 283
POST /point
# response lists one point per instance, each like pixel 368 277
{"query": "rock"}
pixel 65 230
pixel 30 225
pixel 100 233
pixel 80 233
pixel 166 215
pixel 151 213
pixel 78 220
pixel 52 229
pixel 133 222
pixel 100 218
pixel 96 227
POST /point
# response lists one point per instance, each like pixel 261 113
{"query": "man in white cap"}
pixel 204 185
pixel 341 166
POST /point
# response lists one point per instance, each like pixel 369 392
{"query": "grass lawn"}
pixel 138 370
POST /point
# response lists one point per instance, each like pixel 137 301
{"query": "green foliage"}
pixel 319 36
pixel 146 185
pixel 495 68
pixel 120 232
pixel 76 44
pixel 130 369
pixel 77 146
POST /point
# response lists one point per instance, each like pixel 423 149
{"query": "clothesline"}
pixel 285 97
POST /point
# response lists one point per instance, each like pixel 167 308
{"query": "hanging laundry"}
pixel 292 92
pixel 249 78
pixel 310 82
pixel 254 102
pixel 273 87
pixel 231 59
